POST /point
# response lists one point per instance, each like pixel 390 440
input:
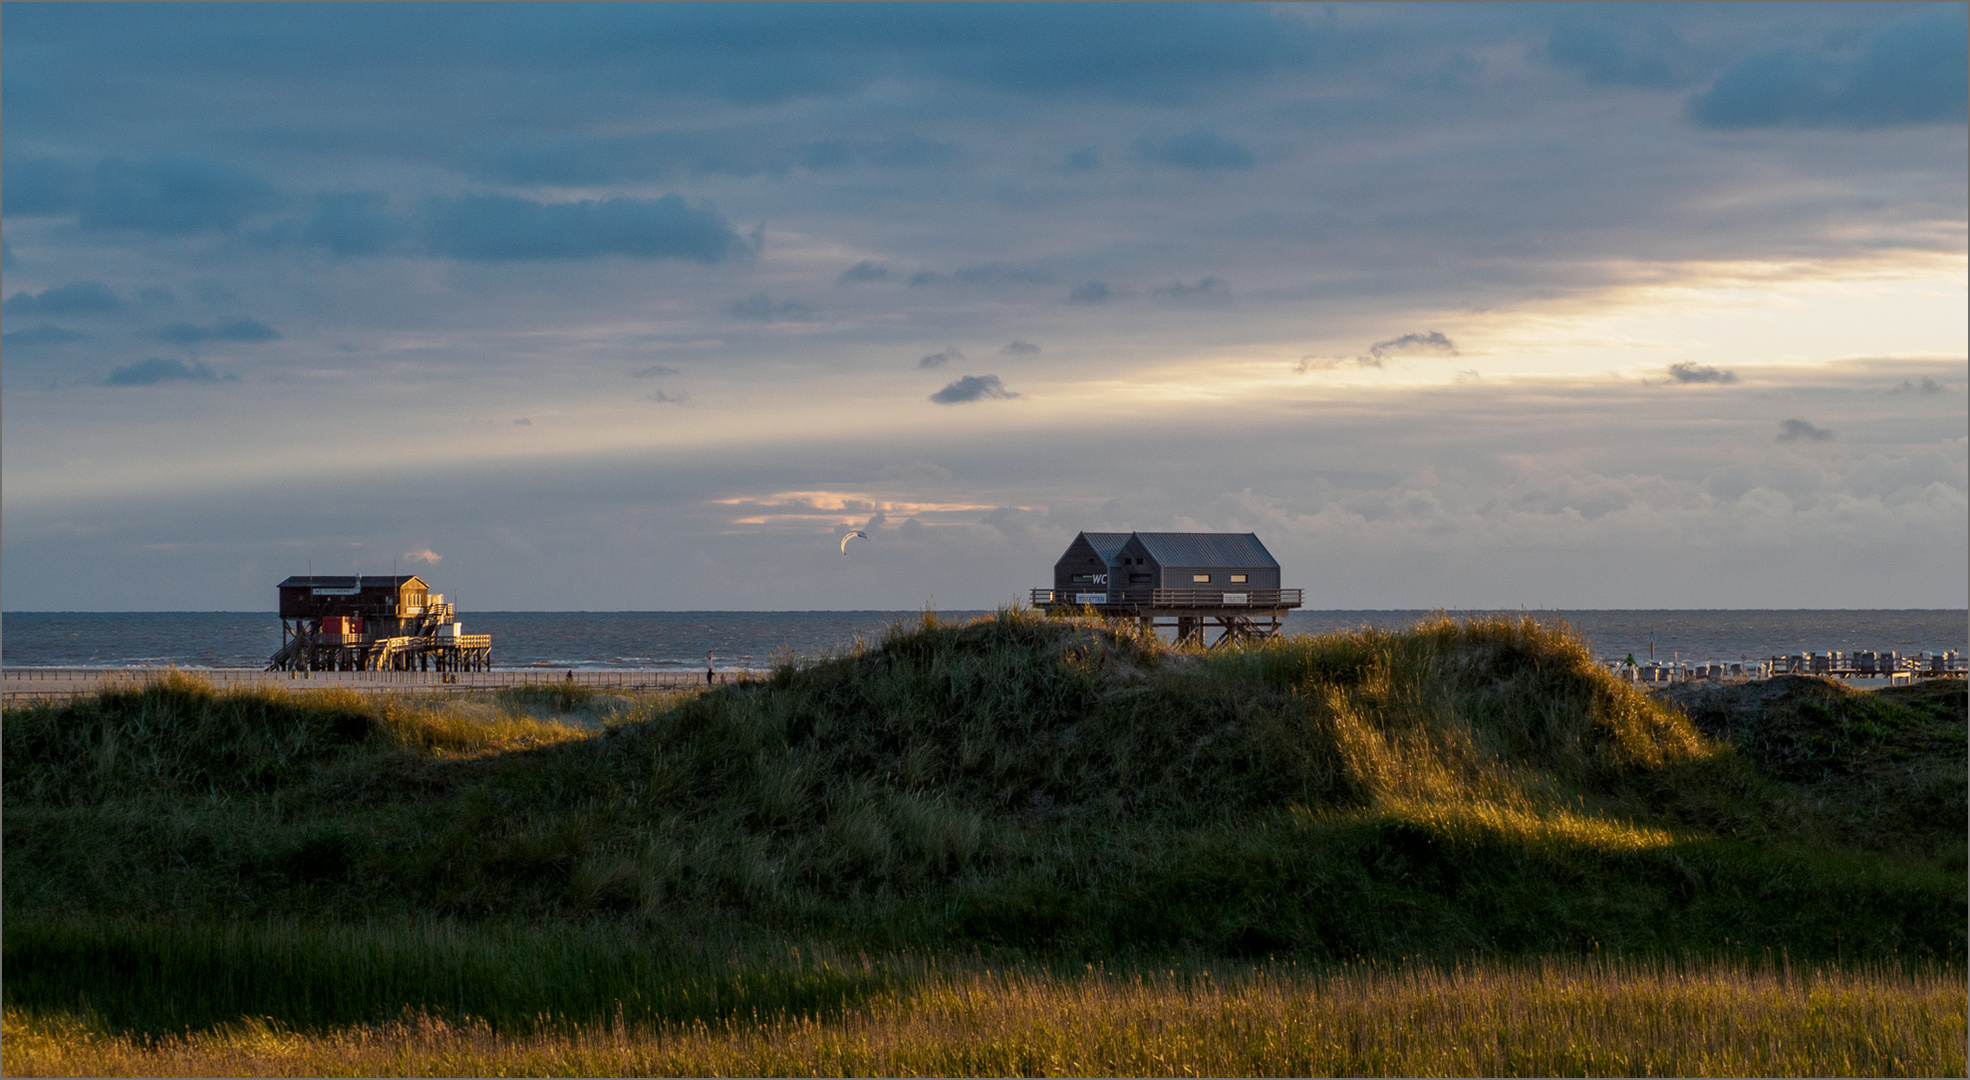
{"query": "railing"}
pixel 1170 598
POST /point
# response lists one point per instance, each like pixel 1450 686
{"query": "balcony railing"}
pixel 1169 598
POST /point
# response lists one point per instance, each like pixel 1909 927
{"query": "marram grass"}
pixel 558 881
pixel 1546 1018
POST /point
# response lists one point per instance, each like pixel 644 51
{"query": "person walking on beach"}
pixel 709 668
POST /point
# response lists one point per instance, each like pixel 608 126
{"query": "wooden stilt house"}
pixel 1190 582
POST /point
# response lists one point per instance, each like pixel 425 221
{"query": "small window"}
pixel 1238 579
pixel 1202 579
pixel 1141 579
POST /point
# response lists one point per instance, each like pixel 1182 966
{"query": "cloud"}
pixel 972 388
pixel 7 260
pixel 39 335
pixel 1689 372
pixel 732 152
pixel 1204 292
pixel 40 187
pixel 524 421
pixel 1094 292
pixel 1621 51
pixel 500 227
pixel 1083 160
pixel 155 370
pixel 79 298
pixel 864 272
pixel 1926 386
pixel 993 273
pixel 424 555
pixel 914 470
pixel 348 224
pixel 668 397
pixel 1019 348
pixel 172 196
pixel 1913 71
pixel 939 359
pixel 760 307
pixel 240 330
pixel 1317 362
pixel 652 371
pixel 1430 342
pixel 1795 429
pixel 1201 150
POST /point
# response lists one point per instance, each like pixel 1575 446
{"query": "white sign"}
pixel 1091 598
pixel 1235 597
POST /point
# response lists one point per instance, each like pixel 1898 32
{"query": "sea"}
pixel 738 640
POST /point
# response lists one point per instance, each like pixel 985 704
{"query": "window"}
pixel 1141 579
pixel 1238 579
pixel 1201 579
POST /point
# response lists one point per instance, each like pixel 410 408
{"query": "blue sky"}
pixel 642 307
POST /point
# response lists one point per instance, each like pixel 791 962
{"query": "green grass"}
pixel 1062 792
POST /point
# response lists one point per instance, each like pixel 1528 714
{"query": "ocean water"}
pixel 663 639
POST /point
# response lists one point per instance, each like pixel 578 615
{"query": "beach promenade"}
pixel 24 685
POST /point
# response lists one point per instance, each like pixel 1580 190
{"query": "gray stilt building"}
pixel 1192 582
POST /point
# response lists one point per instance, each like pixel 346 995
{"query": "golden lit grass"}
pixel 1556 1017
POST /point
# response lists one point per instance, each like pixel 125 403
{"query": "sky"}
pixel 627 307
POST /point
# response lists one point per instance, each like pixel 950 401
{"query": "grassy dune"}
pixel 1549 1018
pixel 1012 790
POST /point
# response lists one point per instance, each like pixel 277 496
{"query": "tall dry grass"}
pixel 1557 1017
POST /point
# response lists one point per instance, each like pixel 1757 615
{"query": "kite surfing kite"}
pixel 852 534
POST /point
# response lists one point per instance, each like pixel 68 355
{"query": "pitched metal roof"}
pixel 346 581
pixel 1107 545
pixel 1230 550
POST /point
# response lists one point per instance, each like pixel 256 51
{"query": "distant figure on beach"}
pixel 709 658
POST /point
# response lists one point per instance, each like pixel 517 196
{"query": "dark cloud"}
pixel 668 397
pixel 500 227
pixel 899 151
pixel 864 272
pixel 972 388
pixel 1926 386
pixel 1634 47
pixel 239 330
pixel 1795 429
pixel 652 371
pixel 760 307
pixel 78 298
pixel 173 196
pixel 1689 372
pixel 993 273
pixel 1914 71
pixel 1430 341
pixel 40 187
pixel 523 422
pixel 1019 348
pixel 1093 292
pixel 39 335
pixel 668 154
pixel 939 359
pixel 1204 292
pixel 1199 151
pixel 350 224
pixel 1163 54
pixel 155 370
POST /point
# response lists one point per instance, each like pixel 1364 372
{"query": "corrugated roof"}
pixel 345 581
pixel 1108 545
pixel 1230 550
